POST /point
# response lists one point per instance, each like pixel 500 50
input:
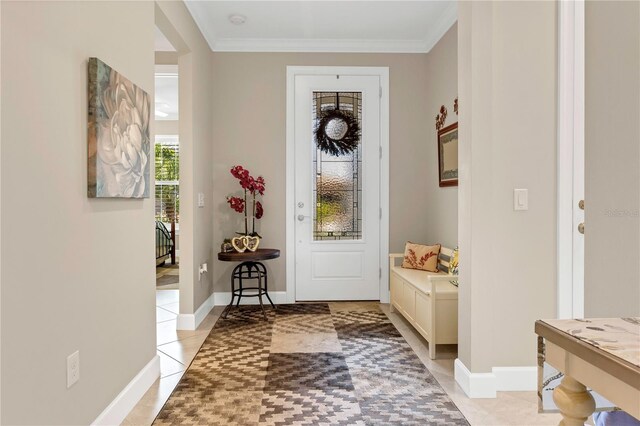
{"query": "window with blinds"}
pixel 167 178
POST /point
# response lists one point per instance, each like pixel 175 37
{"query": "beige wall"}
pixel 612 158
pixel 249 118
pixel 195 85
pixel 441 216
pixel 507 84
pixel 78 273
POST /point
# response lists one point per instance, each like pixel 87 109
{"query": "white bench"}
pixel 427 300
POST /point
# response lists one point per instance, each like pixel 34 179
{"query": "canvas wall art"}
pixel 118 135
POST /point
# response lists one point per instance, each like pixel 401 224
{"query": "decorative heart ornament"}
pixel 252 243
pixel 239 244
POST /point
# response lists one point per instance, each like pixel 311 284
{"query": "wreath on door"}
pixel 337 132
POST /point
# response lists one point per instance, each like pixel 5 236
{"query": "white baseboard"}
pixel 223 299
pixel 516 378
pixel 192 321
pixel 501 379
pixel 475 385
pixel 120 407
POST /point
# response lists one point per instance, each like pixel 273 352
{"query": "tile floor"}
pixel 178 348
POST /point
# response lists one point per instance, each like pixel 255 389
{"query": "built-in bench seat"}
pixel 428 300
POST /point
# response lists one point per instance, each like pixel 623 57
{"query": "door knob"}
pixel 301 217
pixel 581 204
pixel 581 228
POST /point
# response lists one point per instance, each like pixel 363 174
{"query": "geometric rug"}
pixel 307 365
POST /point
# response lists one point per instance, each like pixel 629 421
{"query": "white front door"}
pixel 337 196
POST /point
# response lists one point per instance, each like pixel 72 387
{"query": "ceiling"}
pixel 324 26
pixel 162 44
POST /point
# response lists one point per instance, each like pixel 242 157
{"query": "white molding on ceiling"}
pixel 319 45
pixel 446 21
pixel 199 13
pixel 200 16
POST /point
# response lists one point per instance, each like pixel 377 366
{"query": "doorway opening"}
pixel 167 192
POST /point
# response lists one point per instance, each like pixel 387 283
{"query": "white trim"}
pixel 384 188
pixel 475 385
pixel 319 45
pixel 192 321
pixel 383 74
pixel 439 29
pixel 290 243
pixel 516 378
pixel 570 167
pixel 120 407
pixel 501 379
pixel 278 297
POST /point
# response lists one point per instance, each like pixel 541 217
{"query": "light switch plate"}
pixel 520 199
pixel 73 368
pixel 200 199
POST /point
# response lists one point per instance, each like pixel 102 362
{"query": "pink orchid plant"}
pixel 251 186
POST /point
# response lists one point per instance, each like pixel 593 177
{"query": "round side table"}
pixel 250 268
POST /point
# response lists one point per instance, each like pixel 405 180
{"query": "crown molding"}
pixel 446 21
pixel 319 45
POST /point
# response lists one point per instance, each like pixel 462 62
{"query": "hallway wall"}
pixel 441 216
pixel 77 273
pixel 249 119
pixel 507 69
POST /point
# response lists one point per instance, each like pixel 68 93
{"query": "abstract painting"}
pixel 118 135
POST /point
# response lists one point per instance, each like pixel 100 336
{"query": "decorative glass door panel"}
pixel 337 187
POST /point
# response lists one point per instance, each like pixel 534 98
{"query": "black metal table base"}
pixel 248 271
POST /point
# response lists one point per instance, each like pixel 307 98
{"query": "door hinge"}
pixel 380 87
pixel 380 212
pixel 380 274
pixel 380 152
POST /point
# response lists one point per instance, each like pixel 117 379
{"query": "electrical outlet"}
pixel 73 368
pixel 202 270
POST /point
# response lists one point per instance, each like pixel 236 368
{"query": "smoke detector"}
pixel 236 19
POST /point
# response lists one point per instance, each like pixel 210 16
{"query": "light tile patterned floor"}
pixel 356 370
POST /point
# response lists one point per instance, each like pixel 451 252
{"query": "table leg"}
pixel 266 283
pixel 576 404
pixel 225 313
pixel 264 314
pixel 239 288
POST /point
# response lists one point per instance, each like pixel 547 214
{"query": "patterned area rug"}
pixel 307 366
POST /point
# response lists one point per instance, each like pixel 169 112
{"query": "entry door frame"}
pixel 290 252
pixel 571 166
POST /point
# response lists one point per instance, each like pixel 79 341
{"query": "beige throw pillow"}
pixel 418 256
